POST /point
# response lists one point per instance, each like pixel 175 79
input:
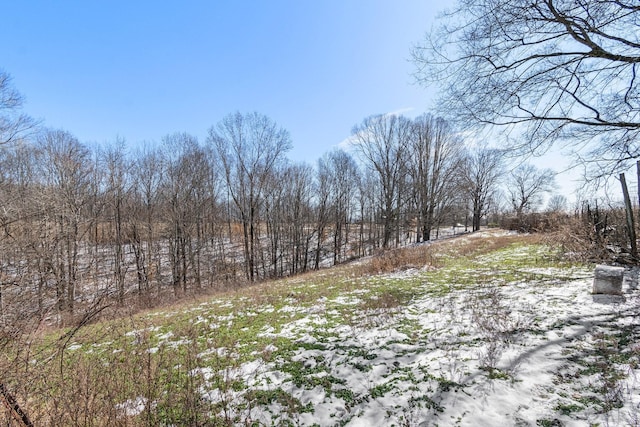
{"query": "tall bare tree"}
pixel 434 155
pixel 66 168
pixel 117 185
pixel 553 70
pixel 299 179
pixel 249 147
pixel 13 122
pixel 480 174
pixel 341 174
pixel 147 178
pixel 368 209
pixel 322 208
pixel 21 266
pixel 527 186
pixel 185 194
pixel 556 204
pixel 289 220
pixel 381 142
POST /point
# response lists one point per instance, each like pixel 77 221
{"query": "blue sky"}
pixel 141 70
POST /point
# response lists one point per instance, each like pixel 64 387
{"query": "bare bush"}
pixel 399 259
pixel 593 235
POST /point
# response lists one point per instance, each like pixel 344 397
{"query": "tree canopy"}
pixel 13 123
pixel 544 71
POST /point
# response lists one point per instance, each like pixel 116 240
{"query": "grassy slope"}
pixel 445 334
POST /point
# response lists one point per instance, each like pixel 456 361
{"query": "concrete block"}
pixel 608 280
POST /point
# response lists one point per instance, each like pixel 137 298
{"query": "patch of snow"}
pixel 270 348
pixel 165 336
pixel 503 353
pixel 347 300
pixel 267 332
pixel 131 408
pixel 403 274
pixel 292 309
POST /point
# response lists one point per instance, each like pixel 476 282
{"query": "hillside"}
pixel 485 329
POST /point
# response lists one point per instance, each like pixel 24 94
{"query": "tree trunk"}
pixel 638 180
pixel 631 228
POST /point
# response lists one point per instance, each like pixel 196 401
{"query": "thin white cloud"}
pixel 348 143
pixel 400 111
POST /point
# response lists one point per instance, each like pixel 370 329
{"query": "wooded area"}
pixel 82 223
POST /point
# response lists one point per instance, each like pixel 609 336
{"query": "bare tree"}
pixel 185 193
pixel 553 71
pixel 288 215
pixel 298 181
pixel 66 169
pixel 21 267
pixel 340 174
pixel 322 208
pixel 13 123
pixel 480 174
pixel 249 147
pixel 273 202
pixel 117 185
pixel 147 178
pixel 368 210
pixel 527 186
pixel 557 204
pixel 381 142
pixel 434 155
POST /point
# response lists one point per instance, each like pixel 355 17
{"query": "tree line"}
pixel 81 222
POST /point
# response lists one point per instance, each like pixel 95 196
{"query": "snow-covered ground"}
pixel 497 341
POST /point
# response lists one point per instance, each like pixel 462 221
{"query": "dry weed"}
pixel 398 259
pixel 433 255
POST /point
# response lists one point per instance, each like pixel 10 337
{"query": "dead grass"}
pixel 486 242
pixel 405 258
pixel 435 254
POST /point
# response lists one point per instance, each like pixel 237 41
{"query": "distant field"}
pixel 485 329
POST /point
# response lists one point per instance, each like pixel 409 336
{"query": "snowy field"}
pixel 511 337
